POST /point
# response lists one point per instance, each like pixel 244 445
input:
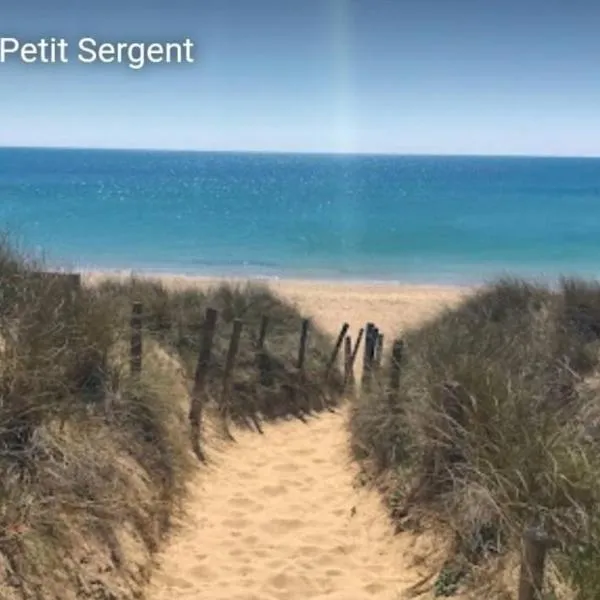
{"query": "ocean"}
pixel 417 219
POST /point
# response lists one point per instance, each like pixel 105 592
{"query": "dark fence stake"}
pixel 303 342
pixel 336 349
pixel 397 351
pixel 294 389
pixel 208 334
pixel 368 357
pixel 348 371
pixel 531 581
pixel 379 351
pixel 136 339
pixel 356 346
pixel 264 324
pixel 373 355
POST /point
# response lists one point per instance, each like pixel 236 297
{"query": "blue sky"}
pixel 377 76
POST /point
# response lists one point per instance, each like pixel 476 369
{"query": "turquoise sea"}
pixel 408 218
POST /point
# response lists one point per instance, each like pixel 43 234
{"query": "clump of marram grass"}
pixel 494 425
pixel 264 385
pixel 89 458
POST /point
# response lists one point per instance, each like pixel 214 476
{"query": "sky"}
pixel 368 76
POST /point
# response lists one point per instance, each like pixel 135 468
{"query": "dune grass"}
pixel 265 385
pixel 93 461
pixel 79 484
pixel 495 425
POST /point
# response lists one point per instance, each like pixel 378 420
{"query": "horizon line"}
pixel 298 152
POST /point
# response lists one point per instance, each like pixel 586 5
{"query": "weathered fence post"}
pixel 397 351
pixel 348 371
pixel 303 343
pixel 531 581
pixel 264 324
pixel 136 339
pixel 368 358
pixel 379 351
pixel 208 333
pixel 336 349
pixel 359 338
pixel 298 384
pixel 373 357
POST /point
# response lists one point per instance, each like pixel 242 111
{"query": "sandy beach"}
pixel 280 516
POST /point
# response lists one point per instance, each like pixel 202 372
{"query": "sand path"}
pixel 280 517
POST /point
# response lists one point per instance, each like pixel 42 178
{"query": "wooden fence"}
pixel 207 338
pixel 535 542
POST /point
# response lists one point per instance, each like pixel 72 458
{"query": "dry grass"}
pixel 494 425
pixel 93 462
pixel 79 484
pixel 265 385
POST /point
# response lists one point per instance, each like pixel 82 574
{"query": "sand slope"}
pixel 279 517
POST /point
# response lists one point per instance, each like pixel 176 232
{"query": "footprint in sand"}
pixel 243 502
pixel 235 523
pixel 282 526
pixel 274 490
pixel 250 540
pixel 202 572
pixel 374 588
pixel 286 468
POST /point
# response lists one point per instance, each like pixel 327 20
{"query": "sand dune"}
pixel 280 516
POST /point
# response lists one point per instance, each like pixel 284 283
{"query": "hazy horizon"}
pixel 267 151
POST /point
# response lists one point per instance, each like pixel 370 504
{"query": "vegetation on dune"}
pixel 93 460
pixel 495 425
pixel 90 460
pixel 264 385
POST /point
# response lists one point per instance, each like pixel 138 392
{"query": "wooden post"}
pixel 348 371
pixel 373 355
pixel 264 324
pixel 303 342
pixel 136 339
pixel 336 349
pixel 379 351
pixel 397 351
pixel 367 357
pixel 356 346
pixel 531 581
pixel 208 333
pixel 299 382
